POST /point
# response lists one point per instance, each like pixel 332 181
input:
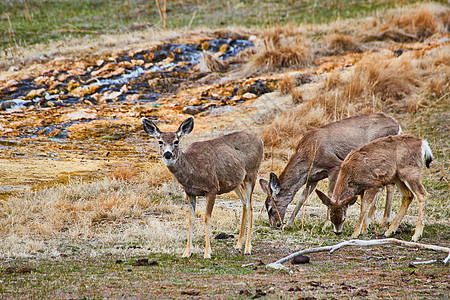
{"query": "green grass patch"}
pixel 28 22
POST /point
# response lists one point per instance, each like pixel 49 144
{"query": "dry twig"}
pixel 278 263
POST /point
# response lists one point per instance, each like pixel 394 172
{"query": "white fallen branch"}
pixel 363 243
pixel 432 261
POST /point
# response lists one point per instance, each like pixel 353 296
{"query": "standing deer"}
pixel 211 168
pixel 388 160
pixel 318 155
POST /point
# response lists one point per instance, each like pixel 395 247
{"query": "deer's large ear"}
pixel 350 200
pixel 151 128
pixel 185 127
pixel 324 198
pixel 274 183
pixel 264 186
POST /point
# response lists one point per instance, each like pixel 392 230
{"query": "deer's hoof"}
pixel 415 238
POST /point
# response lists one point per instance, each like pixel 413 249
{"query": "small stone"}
pixel 72 85
pixel 249 96
pixel 34 93
pixel 301 259
pixel 205 45
pixel 132 97
pixel 224 48
pixel 137 62
pixel 149 56
pixel 223 235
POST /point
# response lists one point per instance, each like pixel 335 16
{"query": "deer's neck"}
pixel 182 170
pixel 343 190
pixel 291 180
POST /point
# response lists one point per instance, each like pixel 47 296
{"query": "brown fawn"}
pixel 210 168
pixel 318 155
pixel 393 159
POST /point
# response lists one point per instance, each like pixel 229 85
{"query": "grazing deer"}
pixel 318 155
pixel 393 159
pixel 210 168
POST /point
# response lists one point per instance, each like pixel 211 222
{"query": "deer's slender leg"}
pixel 210 199
pixel 365 204
pixel 303 196
pixel 239 191
pixel 407 197
pixel 248 193
pixel 332 177
pixel 388 206
pixel 422 196
pixel 192 203
pixel 371 213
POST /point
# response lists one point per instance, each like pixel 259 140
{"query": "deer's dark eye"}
pixel 160 142
pixel 175 143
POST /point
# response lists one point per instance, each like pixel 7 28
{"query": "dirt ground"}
pixel 381 272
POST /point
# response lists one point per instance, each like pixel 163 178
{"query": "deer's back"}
pixel 338 139
pixel 330 144
pixel 384 160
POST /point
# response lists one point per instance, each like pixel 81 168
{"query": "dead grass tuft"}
pixel 125 173
pixel 286 84
pixel 288 127
pixel 297 96
pixel 332 80
pixel 210 63
pixel 157 174
pixel 423 23
pixel 389 78
pixel 338 44
pixel 278 52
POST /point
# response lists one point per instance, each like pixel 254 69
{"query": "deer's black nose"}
pixel 337 233
pixel 167 155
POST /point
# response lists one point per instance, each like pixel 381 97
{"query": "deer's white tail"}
pixel 426 152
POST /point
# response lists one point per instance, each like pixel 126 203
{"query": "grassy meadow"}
pixel 89 236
